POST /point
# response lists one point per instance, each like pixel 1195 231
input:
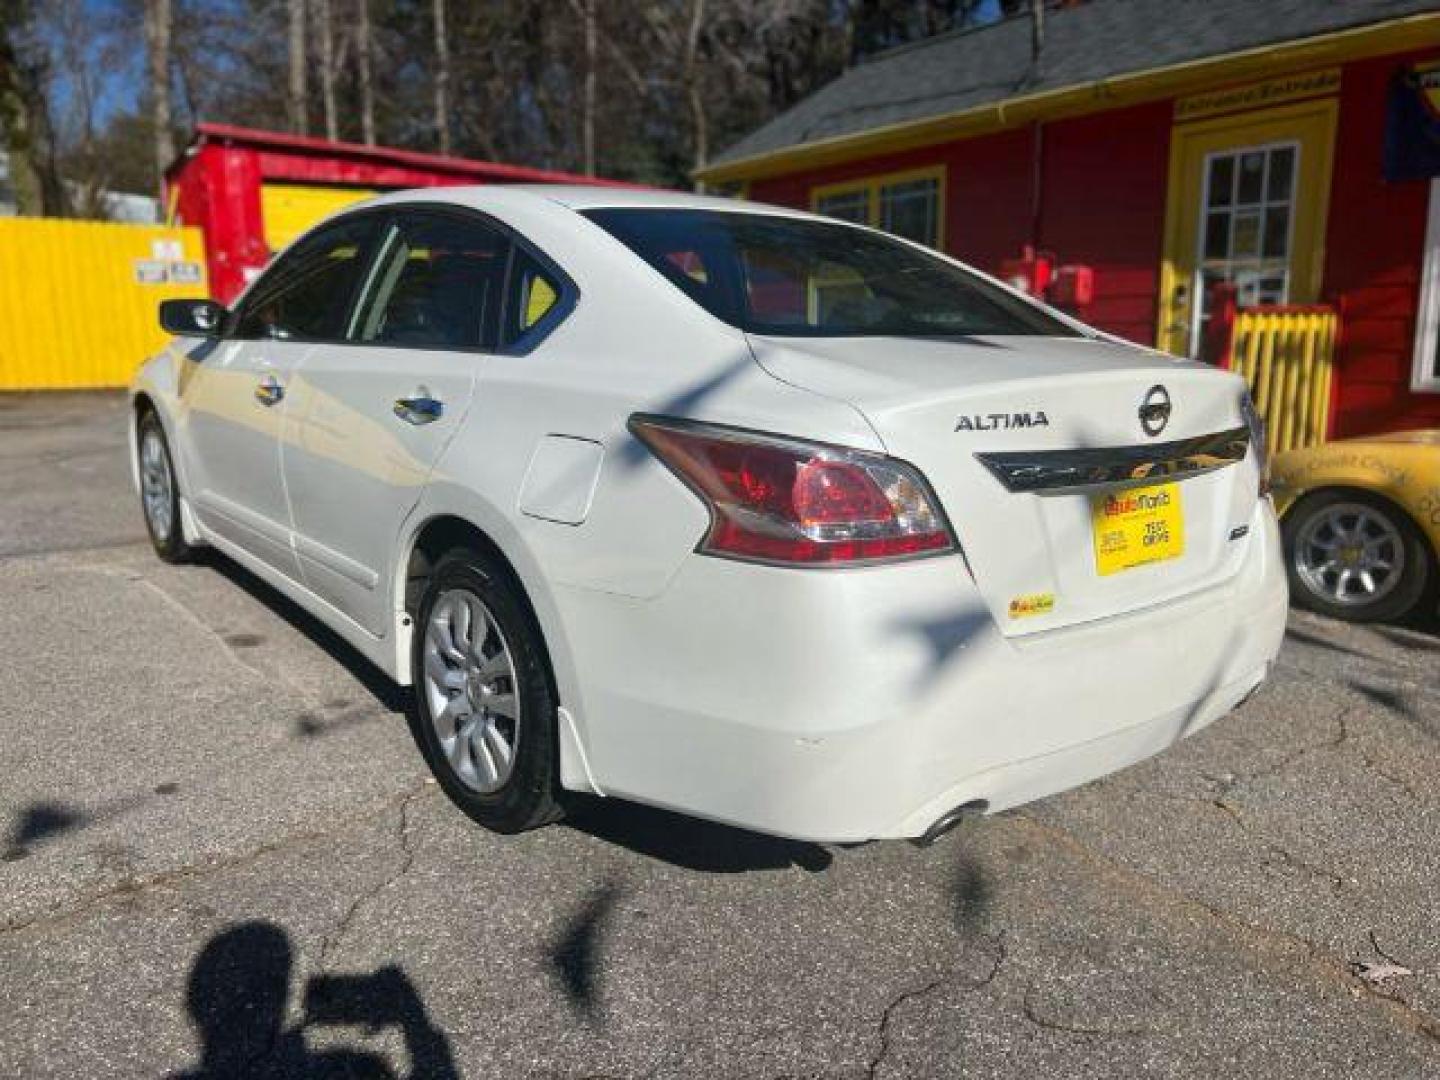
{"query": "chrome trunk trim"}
pixel 1052 471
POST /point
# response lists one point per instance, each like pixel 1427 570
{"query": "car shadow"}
pixel 689 843
pixel 1421 629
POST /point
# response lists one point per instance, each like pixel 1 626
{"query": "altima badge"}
pixel 997 421
pixel 1155 410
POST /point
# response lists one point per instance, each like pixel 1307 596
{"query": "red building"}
pixel 1282 147
pixel 252 192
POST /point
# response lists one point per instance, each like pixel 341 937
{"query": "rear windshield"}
pixel 769 274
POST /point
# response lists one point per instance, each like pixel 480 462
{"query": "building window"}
pixel 1427 324
pixel 907 204
pixel 1245 231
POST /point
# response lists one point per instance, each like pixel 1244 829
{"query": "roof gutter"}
pixel 1396 35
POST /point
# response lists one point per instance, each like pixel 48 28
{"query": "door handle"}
pixel 270 391
pixel 420 409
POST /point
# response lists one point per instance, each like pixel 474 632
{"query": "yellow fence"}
pixel 1287 357
pixel 78 299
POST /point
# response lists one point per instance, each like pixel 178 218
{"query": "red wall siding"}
pixel 990 209
pixel 1376 236
pixel 1104 207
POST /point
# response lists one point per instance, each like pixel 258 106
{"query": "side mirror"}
pixel 192 318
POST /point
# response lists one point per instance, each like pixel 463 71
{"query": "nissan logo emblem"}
pixel 1155 410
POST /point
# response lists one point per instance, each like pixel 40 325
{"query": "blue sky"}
pixel 113 53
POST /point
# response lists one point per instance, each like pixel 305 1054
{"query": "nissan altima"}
pixel 764 517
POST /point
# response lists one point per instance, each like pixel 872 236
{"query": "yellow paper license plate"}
pixel 1137 526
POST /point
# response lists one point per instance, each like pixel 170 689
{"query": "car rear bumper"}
pixel 863 704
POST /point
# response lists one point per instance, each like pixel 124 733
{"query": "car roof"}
pixel 577 197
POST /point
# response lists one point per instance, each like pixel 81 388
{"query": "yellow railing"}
pixel 78 299
pixel 1286 354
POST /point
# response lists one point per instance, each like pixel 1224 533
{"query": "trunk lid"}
pixel 1059 421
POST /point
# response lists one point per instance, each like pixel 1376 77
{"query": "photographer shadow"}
pixel 237 995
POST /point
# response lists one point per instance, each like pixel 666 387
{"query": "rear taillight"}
pixel 779 500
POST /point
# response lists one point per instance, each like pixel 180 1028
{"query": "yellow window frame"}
pixel 872 185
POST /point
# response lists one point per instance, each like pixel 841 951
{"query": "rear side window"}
pixel 436 284
pixel 306 295
pixel 535 293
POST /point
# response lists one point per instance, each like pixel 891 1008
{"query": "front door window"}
pixel 1245 228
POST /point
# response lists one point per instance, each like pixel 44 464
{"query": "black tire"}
pixel 167 535
pixel 529 797
pixel 1416 576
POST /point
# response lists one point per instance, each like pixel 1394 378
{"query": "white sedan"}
pixel 764 517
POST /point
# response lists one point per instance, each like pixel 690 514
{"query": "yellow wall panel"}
pixel 290 209
pixel 79 299
pixel 1287 355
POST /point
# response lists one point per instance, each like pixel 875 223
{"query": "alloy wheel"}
pixel 470 688
pixel 1350 554
pixel 157 485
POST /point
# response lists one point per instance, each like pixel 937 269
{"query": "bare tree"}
pixel 158 24
pixel 587 16
pixel 686 44
pixel 364 61
pixel 295 104
pixel 17 118
pixel 644 90
pixel 73 90
pixel 325 24
pixel 699 118
pixel 442 78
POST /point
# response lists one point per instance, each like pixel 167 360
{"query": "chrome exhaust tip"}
pixel 951 818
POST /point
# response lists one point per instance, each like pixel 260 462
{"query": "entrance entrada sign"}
pixel 1258 95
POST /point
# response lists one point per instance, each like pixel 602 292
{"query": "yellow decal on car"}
pixel 1032 604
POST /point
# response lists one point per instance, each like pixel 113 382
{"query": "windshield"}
pixel 768 274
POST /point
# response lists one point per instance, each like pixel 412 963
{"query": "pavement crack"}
pixel 1335 881
pixel 1369 762
pixel 1259 940
pixel 131 887
pixel 1330 742
pixel 1039 1019
pixel 1375 944
pixel 915 993
pixel 332 940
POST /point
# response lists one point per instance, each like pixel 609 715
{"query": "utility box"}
pixel 1072 288
pixel 1030 273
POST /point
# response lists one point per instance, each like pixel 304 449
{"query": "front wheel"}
pixel 159 492
pixel 1353 555
pixel 485 708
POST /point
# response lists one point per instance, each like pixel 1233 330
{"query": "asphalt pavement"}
pixel 220 855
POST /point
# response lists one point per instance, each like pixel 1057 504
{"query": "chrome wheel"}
pixel 157 485
pixel 470 688
pixel 1349 554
